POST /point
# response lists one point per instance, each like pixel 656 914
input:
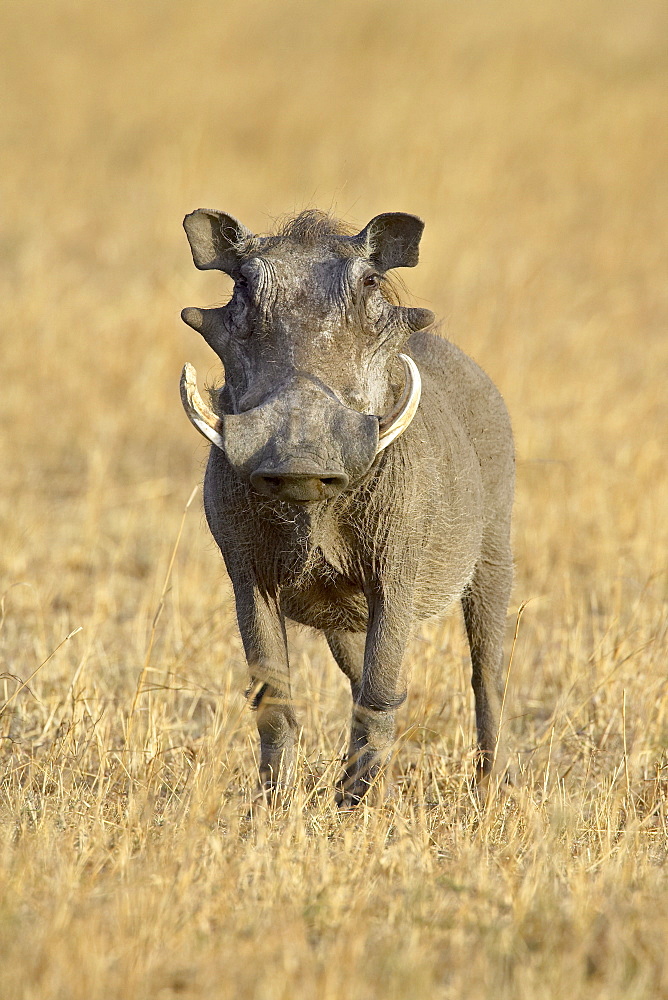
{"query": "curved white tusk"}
pixel 200 415
pixel 395 423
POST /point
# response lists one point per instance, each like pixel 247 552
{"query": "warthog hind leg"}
pixel 485 604
pixel 348 651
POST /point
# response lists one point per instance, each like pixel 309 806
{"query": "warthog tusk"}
pixel 397 420
pixel 390 427
pixel 199 414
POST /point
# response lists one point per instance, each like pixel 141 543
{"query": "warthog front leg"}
pixel 378 689
pixel 262 628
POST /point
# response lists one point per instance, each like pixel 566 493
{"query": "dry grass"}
pixel 532 139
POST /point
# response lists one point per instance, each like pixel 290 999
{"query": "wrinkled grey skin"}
pixel 315 528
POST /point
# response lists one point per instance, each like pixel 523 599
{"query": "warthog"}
pixel 361 478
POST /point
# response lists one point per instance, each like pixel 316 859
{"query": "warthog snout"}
pixel 301 444
pixel 298 487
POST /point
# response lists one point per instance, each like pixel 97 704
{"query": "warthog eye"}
pixel 371 280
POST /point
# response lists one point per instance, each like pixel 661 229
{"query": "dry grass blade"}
pixel 24 684
pixel 160 607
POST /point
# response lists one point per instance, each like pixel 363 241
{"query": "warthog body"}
pixel 315 523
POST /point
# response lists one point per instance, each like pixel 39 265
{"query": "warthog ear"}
pixel 392 240
pixel 217 240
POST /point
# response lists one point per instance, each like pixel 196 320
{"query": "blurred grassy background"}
pixel 532 139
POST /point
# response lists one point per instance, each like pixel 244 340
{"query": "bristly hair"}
pixel 311 227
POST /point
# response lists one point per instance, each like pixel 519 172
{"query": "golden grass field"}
pixel 532 139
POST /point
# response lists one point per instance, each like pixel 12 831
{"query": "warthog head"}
pixel 310 344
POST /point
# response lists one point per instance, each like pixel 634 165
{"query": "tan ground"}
pixel 531 137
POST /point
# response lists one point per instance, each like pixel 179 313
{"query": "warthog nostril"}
pixel 273 482
pixel 299 488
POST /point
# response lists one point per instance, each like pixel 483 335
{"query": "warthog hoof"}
pixel 362 778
